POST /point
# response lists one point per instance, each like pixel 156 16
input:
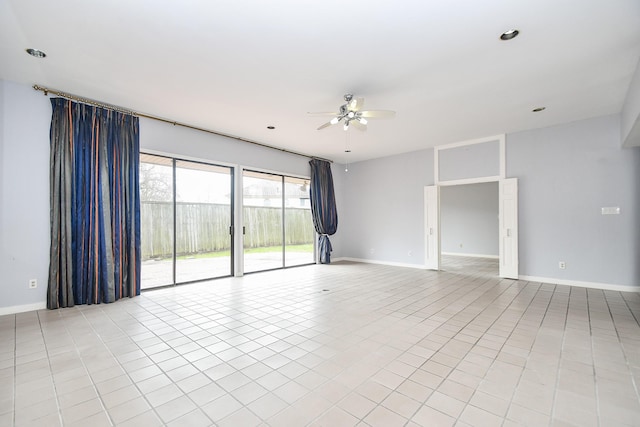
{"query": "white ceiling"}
pixel 238 66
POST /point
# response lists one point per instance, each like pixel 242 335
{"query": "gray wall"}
pixel 384 208
pixel 469 161
pixel 183 142
pixel 24 203
pixel 630 117
pixel 25 116
pixel 2 179
pixel 566 175
pixel 469 219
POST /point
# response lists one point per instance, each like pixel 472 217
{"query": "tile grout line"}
pixel 486 306
pixel 564 329
pixel 127 373
pixel 622 345
pixel 540 289
pixel 15 364
pixel 84 366
pixel 523 313
pixel 593 359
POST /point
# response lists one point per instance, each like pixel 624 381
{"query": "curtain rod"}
pixel 83 100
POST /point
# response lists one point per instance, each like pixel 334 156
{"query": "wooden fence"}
pixel 204 227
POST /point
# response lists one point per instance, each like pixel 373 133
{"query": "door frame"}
pixel 173 164
pixel 507 206
pixel 239 231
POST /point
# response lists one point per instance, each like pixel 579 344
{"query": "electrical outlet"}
pixel 410 253
pixel 372 251
pixel 562 265
pixel 33 283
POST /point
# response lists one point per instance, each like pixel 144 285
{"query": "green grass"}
pixel 307 248
pixel 291 248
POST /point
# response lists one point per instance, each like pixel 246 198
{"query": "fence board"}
pixel 204 227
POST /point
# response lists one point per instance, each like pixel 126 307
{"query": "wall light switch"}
pixel 612 210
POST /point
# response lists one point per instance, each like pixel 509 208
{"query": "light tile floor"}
pixel 338 345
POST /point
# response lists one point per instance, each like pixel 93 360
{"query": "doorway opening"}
pixel 507 226
pixel 474 162
pixel 469 226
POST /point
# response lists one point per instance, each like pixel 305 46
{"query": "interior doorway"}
pixel 470 266
pixel 507 226
pixel 469 226
pixel 472 162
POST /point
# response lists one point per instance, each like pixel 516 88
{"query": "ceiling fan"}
pixel 352 113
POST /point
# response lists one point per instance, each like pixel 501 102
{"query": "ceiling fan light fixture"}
pixel 510 34
pixel 36 53
pixel 352 113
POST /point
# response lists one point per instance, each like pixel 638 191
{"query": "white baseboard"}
pixel 581 284
pixel 389 263
pixel 471 255
pixel 549 280
pixel 22 308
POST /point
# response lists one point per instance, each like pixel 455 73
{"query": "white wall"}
pixel 469 219
pixel 25 117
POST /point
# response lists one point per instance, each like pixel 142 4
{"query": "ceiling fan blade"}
pixel 358 125
pixel 326 125
pixel 324 113
pixel 377 113
pixel 356 104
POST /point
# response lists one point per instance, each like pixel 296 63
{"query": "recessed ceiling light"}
pixel 537 110
pixel 508 35
pixel 36 53
pixel 271 127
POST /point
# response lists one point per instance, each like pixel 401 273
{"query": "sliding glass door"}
pixel 186 218
pixel 299 232
pixel 277 222
pixel 203 221
pixel 156 221
pixel 187 221
pixel 262 214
